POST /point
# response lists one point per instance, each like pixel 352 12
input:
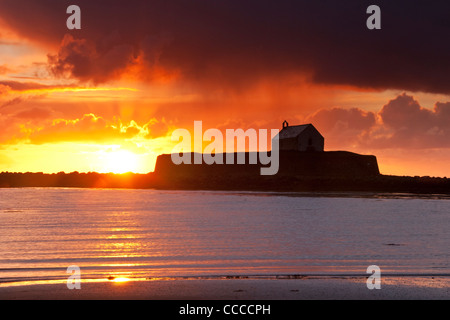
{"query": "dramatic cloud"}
pixel 80 59
pixel 400 124
pixel 237 43
pixel 89 128
pixel 343 127
pixel 408 125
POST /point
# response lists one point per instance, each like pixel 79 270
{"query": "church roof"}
pixel 292 131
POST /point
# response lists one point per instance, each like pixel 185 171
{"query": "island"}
pixel 304 166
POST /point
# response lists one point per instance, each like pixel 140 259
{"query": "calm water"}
pixel 147 233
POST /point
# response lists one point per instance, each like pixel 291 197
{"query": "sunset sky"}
pixel 107 97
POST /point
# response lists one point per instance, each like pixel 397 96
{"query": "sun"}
pixel 120 161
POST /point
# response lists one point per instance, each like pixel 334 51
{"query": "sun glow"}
pixel 121 161
pixel 121 280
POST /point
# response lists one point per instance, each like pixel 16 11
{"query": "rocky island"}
pixel 303 166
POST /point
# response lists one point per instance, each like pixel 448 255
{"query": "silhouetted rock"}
pixel 291 164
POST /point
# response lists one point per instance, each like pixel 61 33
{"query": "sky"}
pixel 107 97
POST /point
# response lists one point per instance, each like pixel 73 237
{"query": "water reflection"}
pixel 144 233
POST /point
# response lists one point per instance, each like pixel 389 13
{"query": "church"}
pixel 303 137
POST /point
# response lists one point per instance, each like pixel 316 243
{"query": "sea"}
pixel 158 234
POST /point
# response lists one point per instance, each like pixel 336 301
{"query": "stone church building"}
pixel 300 138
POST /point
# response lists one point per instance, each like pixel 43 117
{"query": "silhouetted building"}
pixel 300 138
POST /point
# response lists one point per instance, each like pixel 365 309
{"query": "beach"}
pixel 305 288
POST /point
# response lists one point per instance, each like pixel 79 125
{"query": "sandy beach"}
pixel 308 288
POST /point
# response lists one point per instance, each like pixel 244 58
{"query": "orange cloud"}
pixel 4 69
pixel 89 128
pixel 401 124
pixel 407 125
pixel 343 127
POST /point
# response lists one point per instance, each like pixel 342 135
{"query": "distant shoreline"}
pixel 284 184
pixel 331 171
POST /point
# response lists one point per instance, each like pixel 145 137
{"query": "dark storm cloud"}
pixel 235 43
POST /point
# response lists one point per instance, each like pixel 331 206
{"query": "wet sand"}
pixel 308 288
